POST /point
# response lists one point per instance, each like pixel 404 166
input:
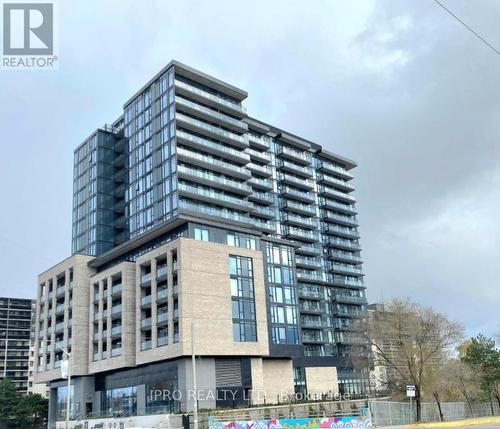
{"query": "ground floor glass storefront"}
pixel 120 402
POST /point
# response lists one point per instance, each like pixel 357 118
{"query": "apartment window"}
pixel 201 234
pixel 243 299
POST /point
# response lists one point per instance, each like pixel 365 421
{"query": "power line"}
pixel 468 28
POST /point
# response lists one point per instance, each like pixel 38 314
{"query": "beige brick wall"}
pixel 79 323
pixel 322 380
pixel 205 297
pixel 127 272
pixel 272 380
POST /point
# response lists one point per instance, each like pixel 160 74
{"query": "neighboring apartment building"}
pixel 188 211
pixel 15 329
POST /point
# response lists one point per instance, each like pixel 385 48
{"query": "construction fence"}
pixel 388 413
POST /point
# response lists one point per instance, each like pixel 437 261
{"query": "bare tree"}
pixel 412 341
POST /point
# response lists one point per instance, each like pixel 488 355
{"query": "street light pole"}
pixel 68 392
pixel 193 357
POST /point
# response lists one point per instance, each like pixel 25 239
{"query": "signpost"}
pixel 410 393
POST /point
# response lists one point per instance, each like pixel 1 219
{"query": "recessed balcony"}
pixel 212 196
pixel 295 155
pixel 300 170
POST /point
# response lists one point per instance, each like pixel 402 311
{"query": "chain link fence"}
pixel 388 413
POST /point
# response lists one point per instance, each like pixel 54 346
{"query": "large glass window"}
pixel 243 299
pixel 201 234
pixel 120 402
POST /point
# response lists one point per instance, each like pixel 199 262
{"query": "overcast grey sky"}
pixel 398 86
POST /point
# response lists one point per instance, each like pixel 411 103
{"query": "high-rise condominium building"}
pixel 15 329
pixel 191 216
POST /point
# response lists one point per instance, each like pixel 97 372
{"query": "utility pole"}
pixel 193 357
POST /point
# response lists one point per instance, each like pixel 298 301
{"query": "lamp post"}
pixel 67 374
pixel 195 406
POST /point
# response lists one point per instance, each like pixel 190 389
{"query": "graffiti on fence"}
pixel 361 421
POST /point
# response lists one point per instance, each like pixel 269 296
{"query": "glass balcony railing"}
pixel 162 341
pixel 302 195
pixel 323 165
pixel 336 194
pixel 162 317
pixel 336 205
pixel 298 169
pixel 161 271
pixel 211 211
pixel 116 289
pixel 145 323
pixel 309 275
pixel 227 136
pixel 327 215
pixel 213 98
pixel 261 183
pixel 312 262
pixel 117 351
pixel 345 256
pixel 213 146
pixel 337 242
pixel 298 155
pixel 116 309
pixel 300 233
pixel 297 181
pixel 261 156
pixel 214 163
pixel 189 105
pixel 146 278
pixel 146 300
pixel 334 229
pixel 290 218
pixel 342 297
pixel 262 196
pixel 334 181
pixel 162 294
pixel 344 268
pixel 267 225
pixel 214 179
pixel 262 141
pixel 116 330
pixel 213 194
pixel 302 208
pixel 264 211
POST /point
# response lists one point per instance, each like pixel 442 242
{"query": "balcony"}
pixel 212 196
pixel 211 163
pixel 146 345
pixel 213 100
pixel 146 323
pixel 342 219
pixel 345 298
pixel 307 197
pixel 346 186
pixel 146 301
pixel 146 279
pixel 301 170
pixel 162 295
pixel 314 323
pixel 117 351
pixel 266 226
pixel 345 256
pixel 306 249
pixel 331 168
pixel 345 269
pixel 116 310
pixel 162 318
pixel 295 155
pixel 342 244
pixel 260 170
pixel 225 213
pixel 296 181
pixel 176 313
pixel 116 331
pixel 265 184
pixel 215 148
pixel 59 327
pixel 339 280
pixel 310 294
pixel 332 193
pixel 116 290
pixel 314 338
pixel 300 234
pixel 211 115
pixel 161 272
pixel 313 308
pixel 211 131
pixel 341 231
pixel 335 205
pixel 60 291
pixel 210 179
pixel 305 209
pixel 267 212
pixel 162 341
pixel 310 276
pixel 262 142
pixel 255 155
pixel 349 312
pixel 304 262
pixel 59 308
pixel 304 222
pixel 262 197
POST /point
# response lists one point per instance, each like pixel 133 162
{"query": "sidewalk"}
pixel 453 424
